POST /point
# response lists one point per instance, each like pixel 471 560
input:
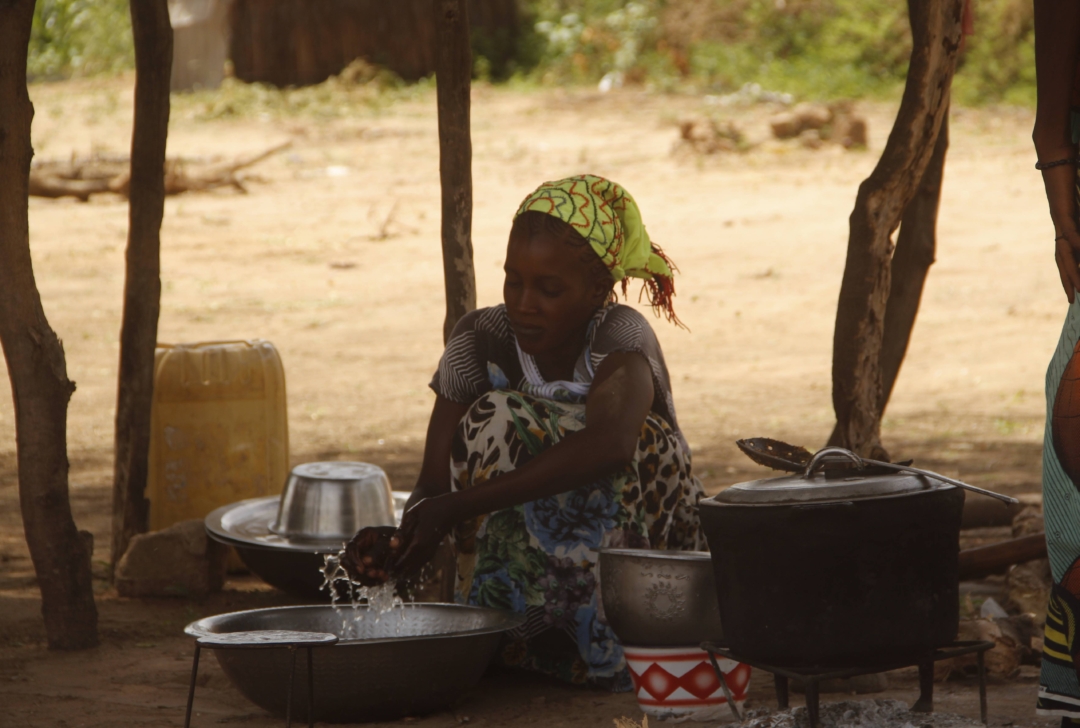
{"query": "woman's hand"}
pixel 1060 185
pixel 422 529
pixel 370 553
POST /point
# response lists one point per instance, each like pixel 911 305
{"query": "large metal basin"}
pixel 410 661
pixel 660 598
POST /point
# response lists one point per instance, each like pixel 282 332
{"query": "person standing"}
pixel 1056 132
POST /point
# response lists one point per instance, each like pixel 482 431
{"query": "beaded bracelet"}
pixel 1056 163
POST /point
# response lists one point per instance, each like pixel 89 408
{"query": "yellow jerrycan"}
pixel 218 428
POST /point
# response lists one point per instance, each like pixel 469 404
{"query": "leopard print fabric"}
pixel 540 558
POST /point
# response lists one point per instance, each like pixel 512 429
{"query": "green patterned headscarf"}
pixel 608 218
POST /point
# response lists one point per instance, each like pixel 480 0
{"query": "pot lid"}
pixel 851 481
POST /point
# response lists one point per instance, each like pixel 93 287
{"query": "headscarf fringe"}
pixel 661 290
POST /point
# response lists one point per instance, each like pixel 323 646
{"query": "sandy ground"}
pixel 334 257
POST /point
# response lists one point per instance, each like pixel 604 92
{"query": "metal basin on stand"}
pixel 410 661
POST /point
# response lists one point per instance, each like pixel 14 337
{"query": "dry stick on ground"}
pixel 453 74
pixel 882 199
pixel 67 181
pixel 178 180
pixel 142 283
pixel 997 557
pixel 35 359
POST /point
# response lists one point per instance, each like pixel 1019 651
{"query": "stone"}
pixel 1002 661
pixel 1029 587
pixel 811 139
pixel 178 561
pixel 850 132
pixel 812 116
pixel 709 136
pixel 1028 521
pixel 785 125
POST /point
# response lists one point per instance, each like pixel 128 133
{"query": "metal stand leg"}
pixel 310 691
pixel 724 686
pixel 925 703
pixel 191 688
pixel 982 687
pixel 781 684
pixel 288 692
pixel 812 701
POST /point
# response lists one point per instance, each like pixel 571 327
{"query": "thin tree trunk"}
pixel 40 387
pixel 882 199
pixel 916 246
pixel 453 75
pixel 142 285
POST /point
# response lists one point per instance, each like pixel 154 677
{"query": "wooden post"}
pixel 881 201
pixel 453 76
pixel 40 387
pixel 916 246
pixel 142 284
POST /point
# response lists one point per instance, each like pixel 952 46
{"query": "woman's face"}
pixel 550 293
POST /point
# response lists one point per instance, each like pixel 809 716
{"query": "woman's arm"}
pixel 1057 51
pixel 434 476
pixel 618 402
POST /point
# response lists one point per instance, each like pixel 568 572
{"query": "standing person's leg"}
pixel 1059 687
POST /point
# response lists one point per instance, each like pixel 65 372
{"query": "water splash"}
pixel 364 601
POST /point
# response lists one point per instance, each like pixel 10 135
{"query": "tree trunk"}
pixel 882 199
pixel 35 359
pixel 916 246
pixel 142 284
pixel 453 75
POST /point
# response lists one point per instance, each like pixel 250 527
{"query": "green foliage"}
pixel 998 64
pixel 360 89
pixel 810 48
pixel 79 37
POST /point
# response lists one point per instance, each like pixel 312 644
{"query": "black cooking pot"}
pixel 839 566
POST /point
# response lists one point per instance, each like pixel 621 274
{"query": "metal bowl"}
pixel 291 565
pixel 333 500
pixel 411 661
pixel 660 598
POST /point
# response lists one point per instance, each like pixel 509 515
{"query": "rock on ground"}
pixel 857 714
pixel 180 560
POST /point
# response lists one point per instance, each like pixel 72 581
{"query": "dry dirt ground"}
pixel 333 255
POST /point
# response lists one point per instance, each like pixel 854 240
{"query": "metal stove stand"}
pixel 812 677
pixel 265 639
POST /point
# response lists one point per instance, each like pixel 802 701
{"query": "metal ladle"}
pixel 842 453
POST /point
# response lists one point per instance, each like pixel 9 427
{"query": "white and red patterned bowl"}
pixel 679 683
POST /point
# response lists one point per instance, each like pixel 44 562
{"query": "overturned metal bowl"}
pixel 410 661
pixel 660 598
pixel 333 500
pixel 292 565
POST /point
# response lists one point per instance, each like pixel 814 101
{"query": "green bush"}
pixel 811 48
pixel 79 37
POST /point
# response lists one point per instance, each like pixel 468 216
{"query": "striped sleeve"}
pixel 462 373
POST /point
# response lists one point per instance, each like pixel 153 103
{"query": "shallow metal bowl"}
pixel 292 565
pixel 410 661
pixel 660 598
pixel 333 500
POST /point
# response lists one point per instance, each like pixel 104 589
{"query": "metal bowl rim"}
pixel 194 629
pixel 660 554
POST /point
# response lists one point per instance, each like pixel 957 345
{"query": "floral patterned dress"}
pixel 540 558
